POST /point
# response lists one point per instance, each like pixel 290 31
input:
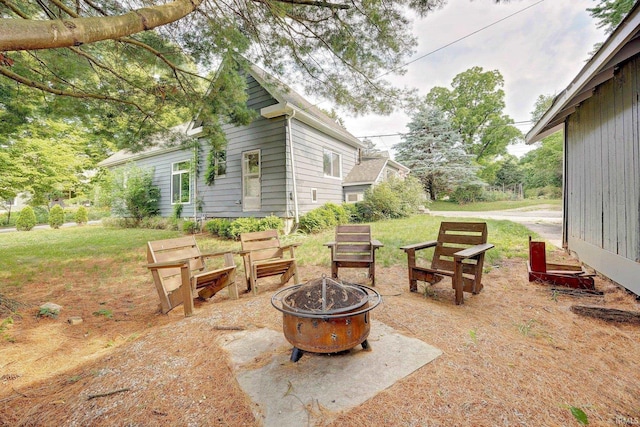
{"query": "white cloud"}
pixel 537 51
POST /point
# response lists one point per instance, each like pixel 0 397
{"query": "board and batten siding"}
pixel 309 145
pixel 602 178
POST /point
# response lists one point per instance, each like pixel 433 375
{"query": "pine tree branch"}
pixel 27 34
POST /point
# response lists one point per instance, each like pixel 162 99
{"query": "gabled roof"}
pixel 621 45
pixel 159 147
pixel 293 104
pixel 289 103
pixel 369 169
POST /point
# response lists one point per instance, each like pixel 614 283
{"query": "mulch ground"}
pixel 513 355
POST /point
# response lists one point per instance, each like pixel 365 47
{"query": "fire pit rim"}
pixel 277 297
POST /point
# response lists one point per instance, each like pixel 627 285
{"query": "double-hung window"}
pixel 331 162
pixel 181 182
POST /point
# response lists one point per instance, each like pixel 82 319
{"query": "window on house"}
pixel 331 162
pixel 220 162
pixel 181 182
pixel 314 195
pixel 355 197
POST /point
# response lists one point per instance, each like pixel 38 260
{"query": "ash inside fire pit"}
pixel 325 296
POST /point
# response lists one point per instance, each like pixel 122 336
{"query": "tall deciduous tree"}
pixel 475 105
pixel 542 166
pixel 435 153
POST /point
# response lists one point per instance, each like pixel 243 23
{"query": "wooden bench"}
pixel 354 248
pixel 264 256
pixel 459 254
pixel 178 269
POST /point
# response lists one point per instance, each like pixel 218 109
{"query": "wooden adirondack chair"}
pixel 264 256
pixel 459 254
pixel 354 248
pixel 178 269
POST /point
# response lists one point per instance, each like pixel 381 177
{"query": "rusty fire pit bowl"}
pixel 325 315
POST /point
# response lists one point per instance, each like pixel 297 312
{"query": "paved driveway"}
pixel 546 222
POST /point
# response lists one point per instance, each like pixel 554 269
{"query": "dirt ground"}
pixel 513 355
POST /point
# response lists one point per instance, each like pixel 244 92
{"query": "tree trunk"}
pixel 27 34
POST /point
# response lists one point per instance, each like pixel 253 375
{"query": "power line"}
pixel 460 39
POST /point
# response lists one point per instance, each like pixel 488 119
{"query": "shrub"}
pixel 218 227
pixel 26 219
pixel 394 198
pixel 313 222
pixel 467 194
pixel 190 227
pixel 133 193
pixel 82 217
pixel 548 192
pixel 177 210
pixel 56 216
pixel 243 225
pixel 270 222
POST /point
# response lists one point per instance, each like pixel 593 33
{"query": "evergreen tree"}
pixel 435 153
pixel 610 13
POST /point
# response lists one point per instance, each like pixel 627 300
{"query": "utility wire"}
pixel 459 39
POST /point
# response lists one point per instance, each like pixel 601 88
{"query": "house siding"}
pixel 224 197
pixel 602 182
pixel 309 145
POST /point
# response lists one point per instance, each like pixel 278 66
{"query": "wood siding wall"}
pixel 602 182
pixel 223 199
pixel 309 145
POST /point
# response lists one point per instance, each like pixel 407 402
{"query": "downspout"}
pixel 293 170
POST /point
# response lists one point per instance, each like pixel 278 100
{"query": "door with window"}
pixel 251 193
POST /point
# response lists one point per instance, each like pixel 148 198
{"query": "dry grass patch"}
pixel 513 355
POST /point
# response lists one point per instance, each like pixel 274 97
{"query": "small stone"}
pixel 75 320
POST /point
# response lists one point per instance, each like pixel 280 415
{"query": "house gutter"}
pixel 290 116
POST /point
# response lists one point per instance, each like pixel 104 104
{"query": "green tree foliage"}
pixel 337 50
pixel 510 172
pixel 132 193
pixel 435 153
pixel 26 219
pixel 393 198
pixel 475 105
pixel 610 13
pixel 543 165
pixel 542 104
pixel 81 216
pixel 56 216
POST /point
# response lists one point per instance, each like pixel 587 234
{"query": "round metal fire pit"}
pixel 325 315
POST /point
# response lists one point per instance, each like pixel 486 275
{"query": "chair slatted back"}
pixel 454 237
pixel 353 243
pixel 262 244
pixel 174 250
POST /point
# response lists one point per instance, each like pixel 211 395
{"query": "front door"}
pixel 251 181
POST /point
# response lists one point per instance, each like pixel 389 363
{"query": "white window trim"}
pixel 180 172
pixel 328 150
pixel 259 202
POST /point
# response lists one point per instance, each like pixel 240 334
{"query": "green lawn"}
pixel 554 204
pixel 30 256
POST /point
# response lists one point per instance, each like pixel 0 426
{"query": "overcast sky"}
pixel 538 51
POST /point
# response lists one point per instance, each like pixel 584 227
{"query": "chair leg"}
pixel 458 281
pixel 334 270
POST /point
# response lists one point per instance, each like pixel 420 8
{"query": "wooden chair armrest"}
pixel 168 264
pixel 376 244
pixel 242 253
pixel 419 246
pixel 330 244
pixel 473 251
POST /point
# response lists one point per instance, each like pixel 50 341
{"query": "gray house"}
pixel 600 114
pixel 292 159
pixel 369 172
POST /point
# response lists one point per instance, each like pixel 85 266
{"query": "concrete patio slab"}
pixel 294 394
